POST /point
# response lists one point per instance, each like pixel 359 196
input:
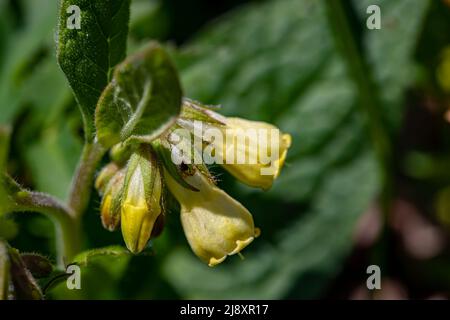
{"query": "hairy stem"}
pixel 82 183
pixel 67 218
pixel 68 235
pixel 67 225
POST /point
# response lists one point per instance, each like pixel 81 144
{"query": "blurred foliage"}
pixel 273 61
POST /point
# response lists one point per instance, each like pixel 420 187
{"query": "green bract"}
pixel 143 99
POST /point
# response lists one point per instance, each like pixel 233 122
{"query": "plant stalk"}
pixel 80 192
pixel 67 225
pixel 370 103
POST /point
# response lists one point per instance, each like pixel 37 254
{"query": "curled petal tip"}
pixel 215 224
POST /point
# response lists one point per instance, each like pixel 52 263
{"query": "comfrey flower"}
pixel 215 224
pixel 252 151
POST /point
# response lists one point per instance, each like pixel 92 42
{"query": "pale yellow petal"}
pixel 215 224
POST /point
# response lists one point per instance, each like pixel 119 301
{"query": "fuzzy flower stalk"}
pixel 133 186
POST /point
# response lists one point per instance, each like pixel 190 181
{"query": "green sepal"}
pixel 194 110
pixel 142 101
pixel 163 151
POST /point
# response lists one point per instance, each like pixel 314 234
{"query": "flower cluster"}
pixel 133 186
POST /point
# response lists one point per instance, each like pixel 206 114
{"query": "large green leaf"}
pixel 100 268
pixel 88 257
pixel 143 99
pixel 278 62
pixel 87 55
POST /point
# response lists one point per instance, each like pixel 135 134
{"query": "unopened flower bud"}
pixel 105 176
pixel 110 206
pixel 142 199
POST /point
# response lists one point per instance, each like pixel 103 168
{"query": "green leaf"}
pixel 100 268
pixel 85 258
pixel 143 99
pixel 88 55
pixel 277 61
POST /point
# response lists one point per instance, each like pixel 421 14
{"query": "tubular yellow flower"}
pixel 252 151
pixel 141 205
pixel 215 224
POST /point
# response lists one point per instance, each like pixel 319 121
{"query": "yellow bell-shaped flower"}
pixel 252 151
pixel 142 200
pixel 266 154
pixel 215 224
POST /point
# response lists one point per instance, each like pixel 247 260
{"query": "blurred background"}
pixel 331 213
